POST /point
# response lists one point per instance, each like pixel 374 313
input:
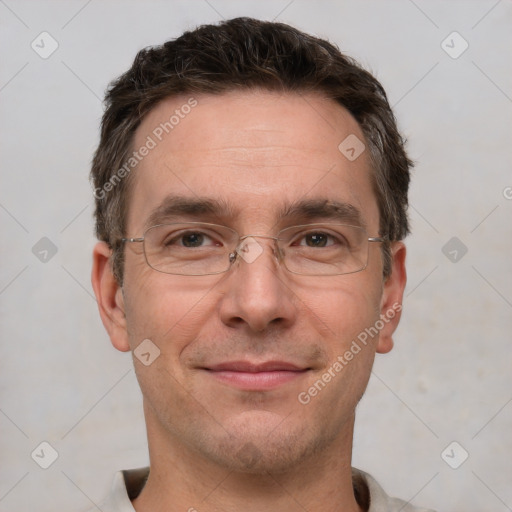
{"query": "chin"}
pixel 256 458
pixel 257 445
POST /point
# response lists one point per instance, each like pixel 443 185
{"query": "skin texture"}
pixel 214 446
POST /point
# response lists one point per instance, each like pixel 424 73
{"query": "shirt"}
pixel 128 484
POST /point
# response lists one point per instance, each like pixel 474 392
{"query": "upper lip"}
pixel 246 366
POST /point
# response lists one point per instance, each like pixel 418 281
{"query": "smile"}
pixel 256 377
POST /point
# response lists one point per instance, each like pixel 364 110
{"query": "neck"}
pixel 182 479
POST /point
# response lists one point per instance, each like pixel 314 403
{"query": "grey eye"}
pixel 316 240
pixel 192 239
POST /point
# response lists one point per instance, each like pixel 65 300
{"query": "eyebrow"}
pixel 196 207
pixel 301 211
pixel 328 209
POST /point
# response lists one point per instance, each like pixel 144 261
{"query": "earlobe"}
pixel 391 303
pixel 109 296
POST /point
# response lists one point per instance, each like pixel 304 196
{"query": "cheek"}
pixel 169 310
pixel 345 317
pixel 172 316
pixel 342 309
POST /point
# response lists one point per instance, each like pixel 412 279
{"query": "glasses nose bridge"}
pixel 275 238
pixel 240 246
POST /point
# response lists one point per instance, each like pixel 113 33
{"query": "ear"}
pixel 109 296
pixel 391 302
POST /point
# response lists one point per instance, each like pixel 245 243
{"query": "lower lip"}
pixel 256 381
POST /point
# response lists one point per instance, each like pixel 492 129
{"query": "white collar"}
pixel 128 484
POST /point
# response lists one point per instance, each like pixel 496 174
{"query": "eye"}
pixel 190 239
pixel 193 239
pixel 317 239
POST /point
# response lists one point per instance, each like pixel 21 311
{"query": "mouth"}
pixel 256 377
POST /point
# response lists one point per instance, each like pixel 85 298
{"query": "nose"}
pixel 255 294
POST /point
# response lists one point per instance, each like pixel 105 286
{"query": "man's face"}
pixel 259 154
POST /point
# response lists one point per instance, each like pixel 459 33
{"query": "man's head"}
pixel 237 55
pixel 244 124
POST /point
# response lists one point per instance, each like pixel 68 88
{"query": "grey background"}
pixel 448 378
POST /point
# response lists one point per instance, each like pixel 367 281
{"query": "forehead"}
pixel 258 152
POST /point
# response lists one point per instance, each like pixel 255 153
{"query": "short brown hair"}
pixel 245 53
